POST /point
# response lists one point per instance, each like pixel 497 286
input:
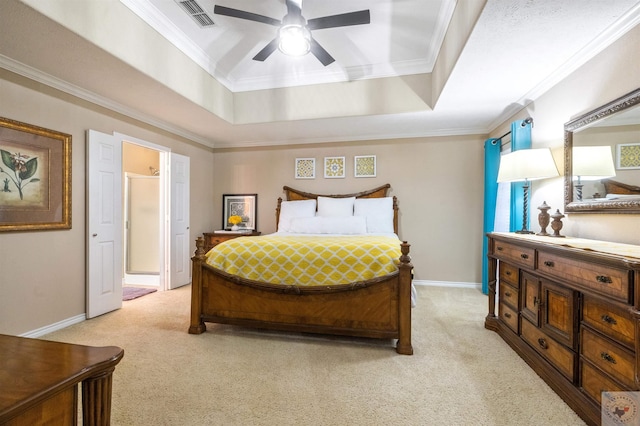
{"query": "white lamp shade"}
pixel 592 162
pixel 527 164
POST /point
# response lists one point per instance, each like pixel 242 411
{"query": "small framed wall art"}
pixel 628 156
pixel 35 177
pixel 243 208
pixel 334 167
pixel 305 168
pixel 364 166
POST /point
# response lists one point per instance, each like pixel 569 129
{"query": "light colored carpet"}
pixel 460 374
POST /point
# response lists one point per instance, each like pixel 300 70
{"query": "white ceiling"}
pixel 517 50
pixel 403 38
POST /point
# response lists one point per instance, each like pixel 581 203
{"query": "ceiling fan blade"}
pixel 319 52
pixel 267 50
pixel 235 13
pixel 342 20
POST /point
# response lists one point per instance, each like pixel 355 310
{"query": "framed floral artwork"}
pixel 364 166
pixel 628 156
pixel 334 167
pixel 35 177
pixel 243 206
pixel 305 168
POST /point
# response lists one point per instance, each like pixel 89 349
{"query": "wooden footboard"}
pixel 379 308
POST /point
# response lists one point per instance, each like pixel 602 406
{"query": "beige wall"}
pixel 611 74
pixel 42 274
pixel 438 182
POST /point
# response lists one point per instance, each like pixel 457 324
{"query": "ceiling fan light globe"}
pixel 294 40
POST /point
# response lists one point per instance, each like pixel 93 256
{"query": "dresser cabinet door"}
pixel 558 306
pixel 530 298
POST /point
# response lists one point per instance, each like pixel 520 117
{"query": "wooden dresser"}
pixel 212 239
pixel 570 308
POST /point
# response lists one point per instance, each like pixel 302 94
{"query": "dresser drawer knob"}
pixel 507 315
pixel 524 255
pixel 608 357
pixel 603 279
pixel 543 343
pixel 499 248
pixel 609 320
pixel 507 293
pixel 508 273
pixel 548 263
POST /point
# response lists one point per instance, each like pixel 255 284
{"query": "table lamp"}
pixel 591 163
pixel 523 166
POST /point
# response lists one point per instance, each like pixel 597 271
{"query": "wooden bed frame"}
pixel 614 187
pixel 377 308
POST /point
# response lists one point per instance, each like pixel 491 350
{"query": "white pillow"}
pixel 293 209
pixel 328 225
pixel 378 211
pixel 335 207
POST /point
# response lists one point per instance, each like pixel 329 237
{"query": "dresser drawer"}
pixel 610 320
pixel 212 239
pixel 509 316
pixel 603 279
pixel 509 274
pixel 609 357
pixel 594 382
pixel 521 255
pixel 558 355
pixel 509 295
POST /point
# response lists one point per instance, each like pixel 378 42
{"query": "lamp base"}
pixel 524 231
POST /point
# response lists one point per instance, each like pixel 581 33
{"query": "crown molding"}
pixel 86 95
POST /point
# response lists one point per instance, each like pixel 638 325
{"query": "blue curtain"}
pixel 520 139
pixel 491 164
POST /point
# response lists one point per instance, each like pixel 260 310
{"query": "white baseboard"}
pixel 54 327
pixel 451 284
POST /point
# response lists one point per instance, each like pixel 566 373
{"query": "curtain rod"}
pixel 526 121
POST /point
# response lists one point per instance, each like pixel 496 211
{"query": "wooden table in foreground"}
pixel 39 378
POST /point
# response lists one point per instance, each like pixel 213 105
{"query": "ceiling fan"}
pixel 294 33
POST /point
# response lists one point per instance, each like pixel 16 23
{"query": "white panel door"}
pixel 104 216
pixel 180 264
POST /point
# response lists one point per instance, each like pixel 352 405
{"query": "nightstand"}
pixel 212 239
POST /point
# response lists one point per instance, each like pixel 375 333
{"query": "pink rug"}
pixel 130 293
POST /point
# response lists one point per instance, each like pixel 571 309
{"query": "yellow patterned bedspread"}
pixel 307 260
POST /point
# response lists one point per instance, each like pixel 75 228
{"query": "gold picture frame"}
pixel 35 177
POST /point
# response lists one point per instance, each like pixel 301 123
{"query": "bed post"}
pixel 404 303
pixel 197 325
pixel 278 206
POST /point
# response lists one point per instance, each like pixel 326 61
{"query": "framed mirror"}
pixel 615 125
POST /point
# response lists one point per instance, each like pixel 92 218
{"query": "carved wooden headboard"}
pixel 614 187
pixel 380 192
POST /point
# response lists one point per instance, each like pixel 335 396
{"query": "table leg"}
pixel 96 399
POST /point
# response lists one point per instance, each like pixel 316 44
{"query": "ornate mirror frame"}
pixel 624 102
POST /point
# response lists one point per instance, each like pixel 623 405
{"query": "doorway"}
pixel 105 230
pixel 142 219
